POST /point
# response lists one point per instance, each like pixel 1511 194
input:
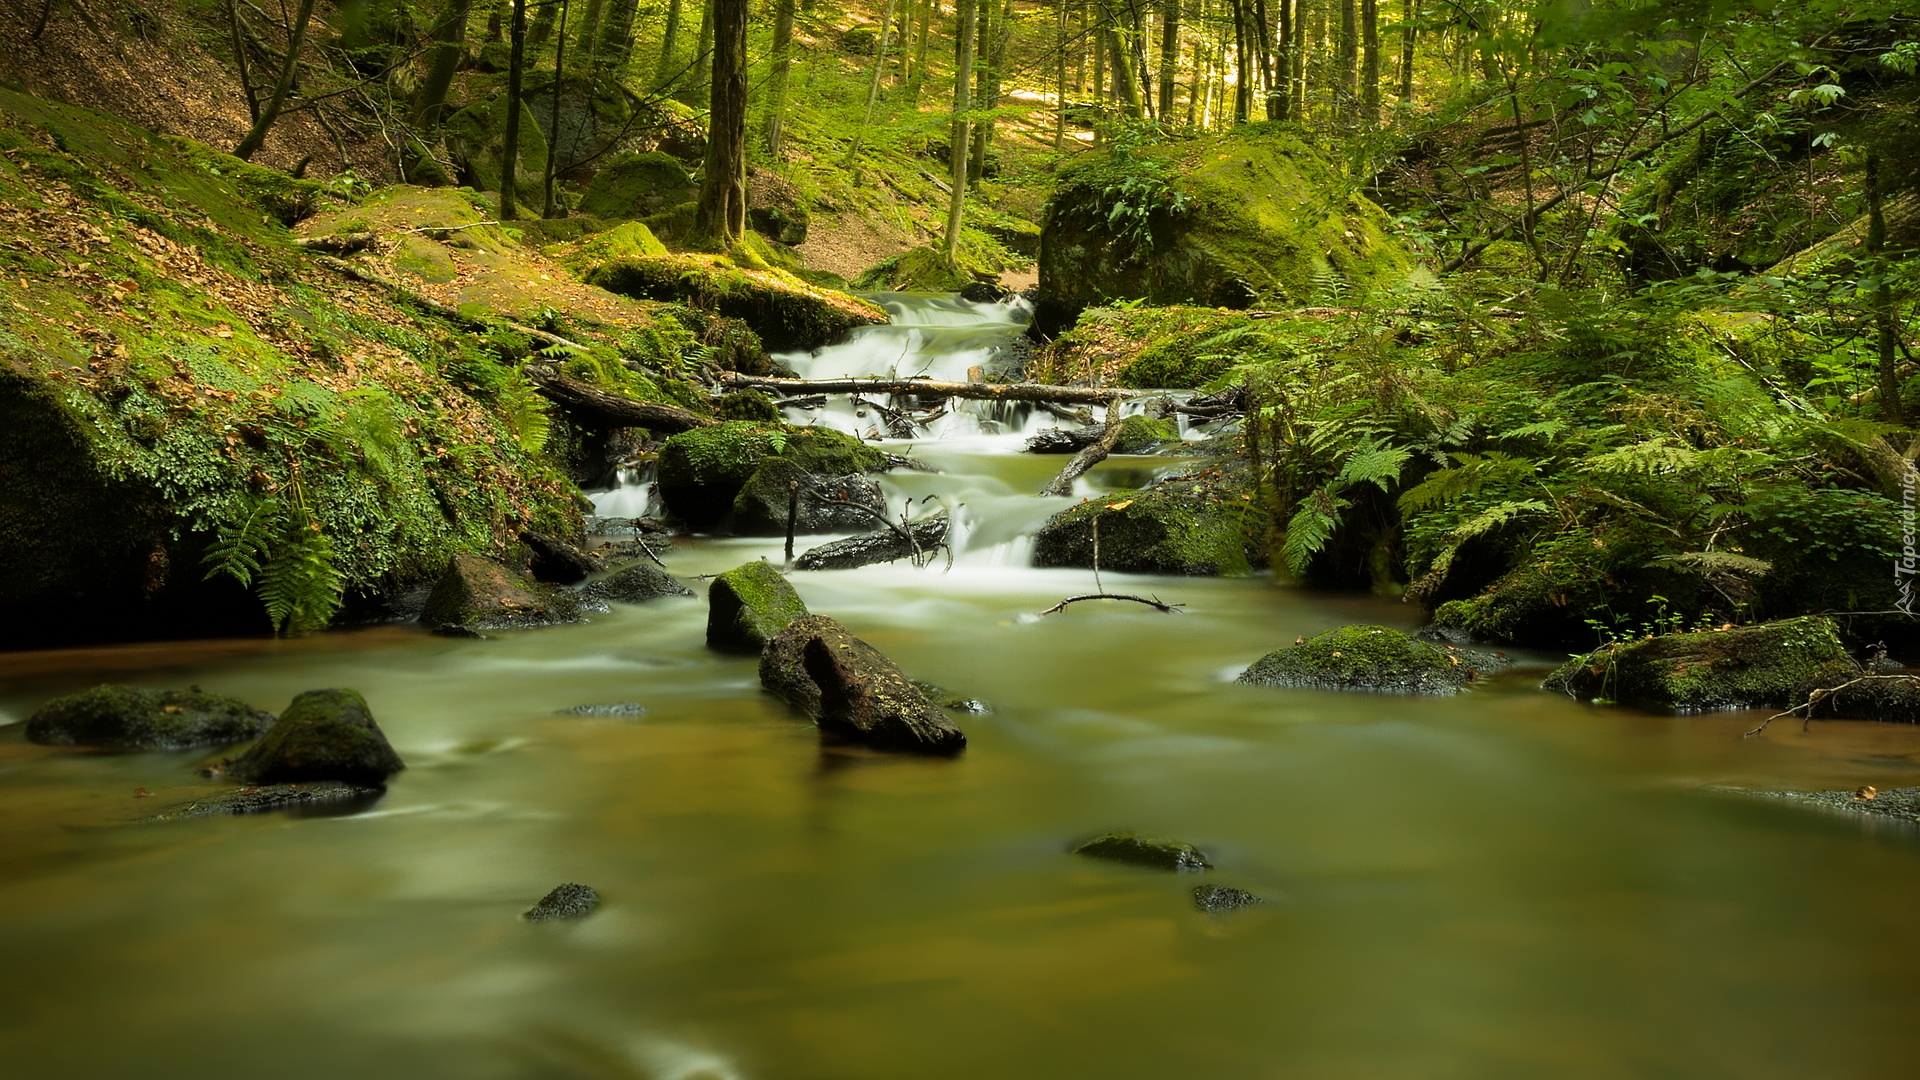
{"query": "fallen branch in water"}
pixel 1171 609
pixel 1815 697
pixel 1092 455
pixel 1085 395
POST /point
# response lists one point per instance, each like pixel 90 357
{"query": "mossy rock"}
pixel 1264 219
pixel 1160 348
pixel 785 311
pixel 747 606
pixel 627 240
pixel 634 584
pixel 130 718
pixel 571 900
pixel 1770 665
pixel 1156 852
pixel 923 269
pixel 477 138
pixel 1148 532
pixel 285 198
pixel 1373 658
pixel 320 798
pixel 754 405
pixel 425 259
pixel 475 595
pixel 638 186
pixel 1144 434
pixel 824 503
pixel 853 691
pixel 323 735
pixel 702 472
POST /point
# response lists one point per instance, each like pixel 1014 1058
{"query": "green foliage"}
pixel 276 547
pixel 1128 191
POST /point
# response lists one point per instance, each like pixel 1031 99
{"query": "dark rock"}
pixel 852 691
pixel 323 735
pixel 1374 658
pixel 324 797
pixel 1217 898
pixel 1771 665
pixel 615 708
pixel 557 561
pixel 130 718
pixel 635 584
pixel 876 547
pixel 475 595
pixel 1138 435
pixel 1145 851
pixel 703 472
pixel 568 901
pixel 1886 697
pixel 1157 531
pixel 984 292
pixel 824 503
pixel 787 224
pixel 748 605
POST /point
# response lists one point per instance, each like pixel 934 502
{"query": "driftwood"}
pixel 1171 609
pixel 1086 459
pixel 1081 395
pixel 603 408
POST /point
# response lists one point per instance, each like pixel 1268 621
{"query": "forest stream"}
pixel 1504 883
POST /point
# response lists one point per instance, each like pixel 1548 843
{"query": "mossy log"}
pixel 1072 395
pixel 596 406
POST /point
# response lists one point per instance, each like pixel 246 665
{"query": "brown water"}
pixel 1503 884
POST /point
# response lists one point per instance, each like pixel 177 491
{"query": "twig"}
pixel 1814 697
pixel 1171 609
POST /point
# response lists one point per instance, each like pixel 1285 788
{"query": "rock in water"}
pixel 476 595
pixel 1145 851
pixel 1774 664
pixel 876 547
pixel 323 798
pixel 323 735
pixel 568 901
pixel 634 584
pixel 852 691
pixel 1375 658
pixel 1163 530
pixel 1216 898
pixel 556 560
pixel 130 718
pixel 747 606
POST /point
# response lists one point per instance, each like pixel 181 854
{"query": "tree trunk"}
pixel 542 27
pixel 1060 76
pixel 1125 90
pixel 993 45
pixel 450 43
pixel 780 61
pixel 1349 58
pixel 1263 51
pixel 296 42
pixel 927 10
pixel 587 36
pixel 1409 11
pixel 1169 55
pixel 1883 309
pixel 700 72
pixel 616 32
pixel 1300 59
pixel 235 32
pixel 548 208
pixel 1071 395
pixel 669 43
pixel 721 213
pixel 959 137
pixel 1370 61
pixel 516 82
pixel 873 88
pixel 1243 65
pixel 1283 64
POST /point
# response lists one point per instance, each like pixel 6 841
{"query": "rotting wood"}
pixel 1039 392
pixel 594 405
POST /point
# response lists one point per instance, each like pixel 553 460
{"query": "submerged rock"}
pixel 885 545
pixel 1151 851
pixel 612 708
pixel 747 606
pixel 1887 697
pixel 475 595
pixel 568 901
pixel 1902 804
pixel 635 584
pixel 1774 664
pixel 131 718
pixel 320 798
pixel 1217 898
pixel 853 691
pixel 1155 531
pixel 1373 658
pixel 323 735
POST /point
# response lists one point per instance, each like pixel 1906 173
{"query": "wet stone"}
pixel 323 798
pixel 1218 898
pixel 1159 853
pixel 610 709
pixel 568 901
pixel 132 718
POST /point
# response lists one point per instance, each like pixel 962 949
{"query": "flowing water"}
pixel 1503 884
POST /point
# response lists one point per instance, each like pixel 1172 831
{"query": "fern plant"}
pixel 277 548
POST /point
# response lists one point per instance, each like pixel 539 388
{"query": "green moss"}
pixel 1143 347
pixel 477 137
pixel 748 606
pixel 322 735
pixel 923 269
pixel 704 470
pixel 1156 852
pixel 629 239
pixel 638 185
pixel 753 405
pixel 1149 532
pixel 1375 658
pixel 1774 664
pixel 131 718
pixel 424 259
pixel 1145 434
pixel 285 198
pixel 785 311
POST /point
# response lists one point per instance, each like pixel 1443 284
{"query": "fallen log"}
pixel 1081 395
pixel 1171 609
pixel 592 405
pixel 1092 455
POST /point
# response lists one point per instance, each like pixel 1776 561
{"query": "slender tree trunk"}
pixel 1169 56
pixel 296 42
pixel 873 88
pixel 1060 75
pixel 542 27
pixel 1409 13
pixel 1243 65
pixel 235 31
pixel 1263 49
pixel 1125 90
pixel 1299 77
pixel 993 45
pixel 959 139
pixel 496 20
pixel 516 81
pixel 781 61
pixel 1282 93
pixel 1098 35
pixel 1349 59
pixel 1370 61
pixel 1883 310
pixel 700 74
pixel 721 212
pixel 920 48
pixel 587 36
pixel 548 207
pixel 450 43
pixel 616 32
pixel 669 42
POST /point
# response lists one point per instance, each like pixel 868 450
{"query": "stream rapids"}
pixel 1500 884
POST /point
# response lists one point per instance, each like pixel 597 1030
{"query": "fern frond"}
pixel 301 587
pixel 240 548
pixel 1658 456
pixel 1717 562
pixel 1471 473
pixel 1310 529
pixel 1372 463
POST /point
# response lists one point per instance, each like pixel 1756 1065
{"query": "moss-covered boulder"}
pixel 1774 664
pixel 1253 217
pixel 323 735
pixel 785 311
pixel 477 138
pixel 320 798
pixel 627 240
pixel 476 595
pixel 637 186
pixel 570 900
pixel 1162 348
pixel 922 269
pixel 1157 852
pixel 747 606
pixel 1153 531
pixel 1374 658
pixel 132 718
pixel 853 691
pixel 703 472
pixel 1139 434
pixel 820 504
pixel 635 584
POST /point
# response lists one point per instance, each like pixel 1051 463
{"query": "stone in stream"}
pixel 1217 898
pixel 886 545
pixel 322 797
pixel 568 901
pixel 822 503
pixel 1167 529
pixel 1138 435
pixel 853 691
pixel 608 709
pixel 634 584
pixel 1379 659
pixel 476 595
pixel 1771 665
pixel 1145 851
pixel 747 606
pixel 556 561
pixel 1900 804
pixel 323 735
pixel 131 718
